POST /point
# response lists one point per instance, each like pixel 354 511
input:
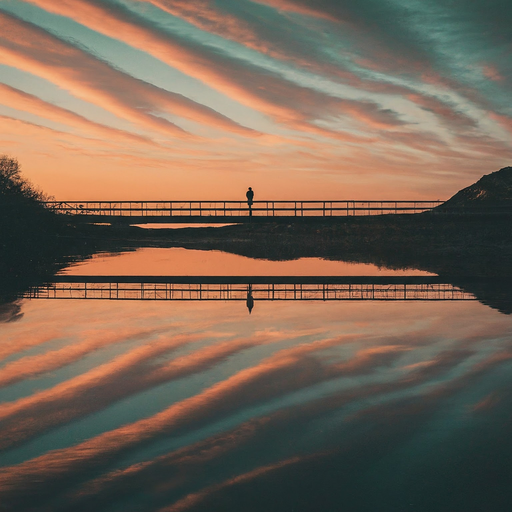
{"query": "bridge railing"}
pixel 239 208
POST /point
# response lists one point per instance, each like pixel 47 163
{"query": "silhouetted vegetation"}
pixel 29 232
pixel 14 186
pixel 21 204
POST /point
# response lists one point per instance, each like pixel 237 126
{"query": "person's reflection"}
pixel 250 298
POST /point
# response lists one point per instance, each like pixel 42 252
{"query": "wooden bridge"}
pixel 220 212
pixel 255 288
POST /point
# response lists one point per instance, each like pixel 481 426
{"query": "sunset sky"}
pixel 300 99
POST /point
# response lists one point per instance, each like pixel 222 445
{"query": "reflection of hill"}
pixel 495 293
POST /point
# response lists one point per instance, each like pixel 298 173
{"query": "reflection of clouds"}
pixel 198 461
pixel 192 499
pixel 30 366
pixel 351 388
pixel 126 375
pixel 249 385
pixel 83 394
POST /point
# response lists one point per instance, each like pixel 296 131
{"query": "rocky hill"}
pixel 491 192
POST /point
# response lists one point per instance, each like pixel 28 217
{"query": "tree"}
pixel 13 185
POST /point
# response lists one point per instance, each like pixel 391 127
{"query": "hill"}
pixel 492 192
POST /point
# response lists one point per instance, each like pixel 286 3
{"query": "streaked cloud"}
pixel 372 87
pixel 20 100
pixel 30 48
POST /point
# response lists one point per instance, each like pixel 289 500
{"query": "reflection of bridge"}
pixel 220 288
pixel 137 212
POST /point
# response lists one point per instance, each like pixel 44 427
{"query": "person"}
pixel 250 196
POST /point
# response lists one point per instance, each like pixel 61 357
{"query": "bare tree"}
pixel 12 183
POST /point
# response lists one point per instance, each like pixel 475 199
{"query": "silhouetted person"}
pixel 250 299
pixel 250 196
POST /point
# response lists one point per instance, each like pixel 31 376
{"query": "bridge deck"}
pixel 135 212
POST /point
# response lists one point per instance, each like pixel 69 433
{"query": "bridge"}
pixel 249 288
pixel 220 212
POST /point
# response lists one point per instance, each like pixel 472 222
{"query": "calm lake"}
pixel 298 404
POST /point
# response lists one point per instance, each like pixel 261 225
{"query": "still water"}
pixel 300 405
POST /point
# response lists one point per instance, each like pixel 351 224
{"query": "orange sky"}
pixel 158 99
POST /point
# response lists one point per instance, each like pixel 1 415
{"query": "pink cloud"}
pixel 20 100
pixel 298 8
pixel 445 112
pixel 492 73
pixel 28 47
pixel 207 16
pixel 12 127
pixel 286 102
pixel 502 120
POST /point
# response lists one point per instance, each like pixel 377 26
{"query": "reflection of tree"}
pixel 250 298
pixel 10 312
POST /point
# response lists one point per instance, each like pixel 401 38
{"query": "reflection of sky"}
pixel 197 404
pixel 299 99
pixel 188 262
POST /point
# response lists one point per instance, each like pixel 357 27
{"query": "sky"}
pixel 300 99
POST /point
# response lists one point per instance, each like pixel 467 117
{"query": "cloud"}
pixel 20 100
pixel 445 111
pixel 299 7
pixel 267 91
pixel 28 47
pixel 12 127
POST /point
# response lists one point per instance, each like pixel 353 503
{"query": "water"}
pixel 301 405
pixel 189 262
